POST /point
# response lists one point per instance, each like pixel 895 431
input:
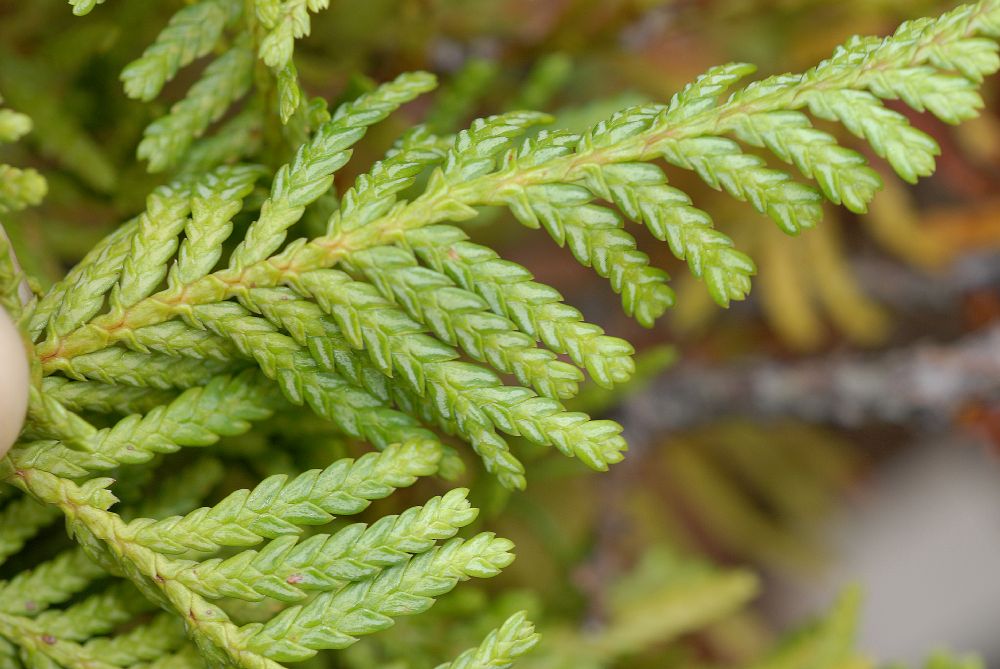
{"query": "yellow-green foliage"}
pixel 213 309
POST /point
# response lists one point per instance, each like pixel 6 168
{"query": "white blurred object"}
pixel 14 373
pixel 923 541
pixel 13 382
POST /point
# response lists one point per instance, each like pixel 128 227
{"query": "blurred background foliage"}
pixel 667 561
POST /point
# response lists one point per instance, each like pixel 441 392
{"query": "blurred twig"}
pixel 927 382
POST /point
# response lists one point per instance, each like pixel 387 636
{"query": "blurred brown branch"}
pixel 912 383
